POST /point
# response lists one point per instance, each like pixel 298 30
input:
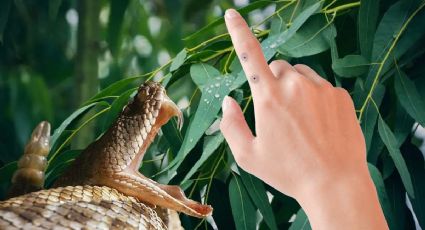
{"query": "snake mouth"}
pixel 174 110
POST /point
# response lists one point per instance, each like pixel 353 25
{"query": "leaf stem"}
pixel 381 65
pixel 341 7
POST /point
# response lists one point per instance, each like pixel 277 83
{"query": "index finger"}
pixel 248 49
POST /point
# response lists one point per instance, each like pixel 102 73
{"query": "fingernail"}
pixel 231 13
pixel 226 103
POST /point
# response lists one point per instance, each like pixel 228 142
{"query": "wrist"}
pixel 349 203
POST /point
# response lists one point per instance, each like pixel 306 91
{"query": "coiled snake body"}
pixel 103 188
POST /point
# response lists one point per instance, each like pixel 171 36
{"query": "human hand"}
pixel 308 141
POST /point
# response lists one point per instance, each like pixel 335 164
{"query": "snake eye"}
pixel 142 95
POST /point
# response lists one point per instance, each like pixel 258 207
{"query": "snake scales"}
pixel 102 189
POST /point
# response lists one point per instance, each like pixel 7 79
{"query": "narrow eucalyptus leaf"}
pixel 370 115
pixel 382 192
pixel 113 90
pixel 242 208
pixel 367 20
pixel 211 143
pixel 178 60
pixel 213 93
pixel 202 72
pixel 310 39
pixel 116 107
pixel 258 194
pixel 416 164
pixel 270 45
pixel 390 141
pixel 66 156
pixel 390 29
pixel 409 97
pixel 350 66
pixel 301 221
pixel 404 124
pixel 244 10
pixel 68 120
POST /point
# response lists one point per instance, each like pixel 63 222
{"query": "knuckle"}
pixel 277 63
pixel 294 83
pixel 301 66
pixel 341 92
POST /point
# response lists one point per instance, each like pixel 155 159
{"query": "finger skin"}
pixel 236 130
pixel 281 68
pixel 249 52
pixel 310 74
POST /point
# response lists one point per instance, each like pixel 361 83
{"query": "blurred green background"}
pixel 48 67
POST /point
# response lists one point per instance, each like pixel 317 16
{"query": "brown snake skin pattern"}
pixel 103 189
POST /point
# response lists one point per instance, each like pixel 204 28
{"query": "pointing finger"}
pixel 249 52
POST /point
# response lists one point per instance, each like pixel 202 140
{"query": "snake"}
pixel 102 188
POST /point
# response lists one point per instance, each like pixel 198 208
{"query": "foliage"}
pixel 373 49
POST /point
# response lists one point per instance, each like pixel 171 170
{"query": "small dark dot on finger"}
pixel 254 78
pixel 244 57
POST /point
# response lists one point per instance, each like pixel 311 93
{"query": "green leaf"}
pixel 310 39
pixel 397 196
pixel 213 93
pixel 301 221
pixel 416 164
pixel 270 45
pixel 375 149
pixel 202 72
pixel 350 66
pixel 114 90
pixel 220 200
pixel 211 143
pixel 382 192
pixel 370 115
pixel 243 11
pixel 56 167
pixel 367 19
pixel 7 171
pixel 390 142
pixel 57 147
pixel 242 208
pixel 54 8
pixel 404 124
pixel 178 60
pixel 4 15
pixel 409 97
pixel 258 194
pixel 116 17
pixel 391 28
pixel 67 121
pixel 117 106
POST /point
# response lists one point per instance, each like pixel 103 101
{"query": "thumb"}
pixel 235 129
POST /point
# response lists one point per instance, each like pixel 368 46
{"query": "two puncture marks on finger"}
pixel 253 78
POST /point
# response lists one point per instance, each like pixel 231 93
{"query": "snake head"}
pixel 152 100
